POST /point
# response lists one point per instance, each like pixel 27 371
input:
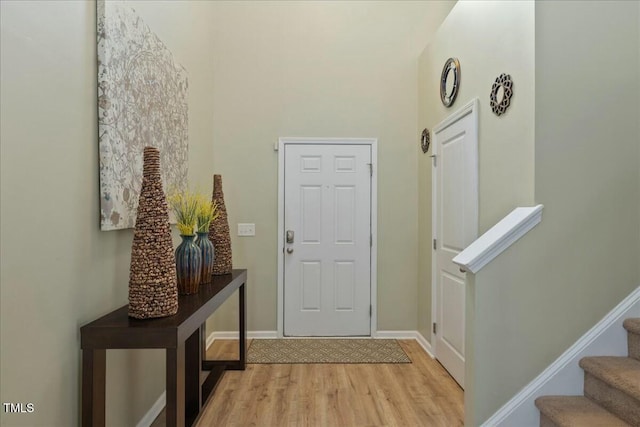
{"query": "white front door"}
pixel 455 220
pixel 327 252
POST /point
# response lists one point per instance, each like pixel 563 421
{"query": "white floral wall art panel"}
pixel 142 101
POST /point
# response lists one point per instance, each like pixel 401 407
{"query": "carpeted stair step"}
pixel 575 411
pixel 614 383
pixel 633 337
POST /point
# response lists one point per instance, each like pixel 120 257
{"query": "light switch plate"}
pixel 246 229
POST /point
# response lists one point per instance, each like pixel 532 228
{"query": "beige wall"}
pixel 257 71
pixel 319 69
pixel 488 38
pixel 58 271
pixel 543 293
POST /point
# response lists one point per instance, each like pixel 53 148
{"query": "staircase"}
pixel 611 391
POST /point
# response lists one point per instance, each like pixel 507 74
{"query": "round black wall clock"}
pixel 425 141
pixel 450 81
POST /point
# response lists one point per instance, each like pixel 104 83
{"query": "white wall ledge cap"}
pixel 498 238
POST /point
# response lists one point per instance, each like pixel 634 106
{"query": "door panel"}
pixel 345 214
pixel 310 211
pixel 311 284
pixel 452 170
pixel 455 227
pixel 452 317
pixel 327 267
pixel 345 286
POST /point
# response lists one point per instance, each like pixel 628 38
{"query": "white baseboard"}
pixel 399 335
pixel 407 335
pixel 564 376
pixel 426 345
pixel 233 335
pixel 411 335
pixel 153 413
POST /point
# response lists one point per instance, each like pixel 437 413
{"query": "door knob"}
pixel 289 250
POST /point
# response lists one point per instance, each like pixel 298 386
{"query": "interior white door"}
pixel 455 227
pixel 327 250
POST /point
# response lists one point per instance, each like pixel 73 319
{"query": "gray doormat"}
pixel 326 351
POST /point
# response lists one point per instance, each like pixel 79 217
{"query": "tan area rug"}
pixel 289 351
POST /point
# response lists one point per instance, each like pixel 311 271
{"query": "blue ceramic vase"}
pixel 188 265
pixel 208 255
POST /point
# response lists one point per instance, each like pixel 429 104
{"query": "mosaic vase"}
pixel 152 275
pixel 219 232
pixel 188 265
pixel 207 252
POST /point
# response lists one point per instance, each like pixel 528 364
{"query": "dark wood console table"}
pixel 190 377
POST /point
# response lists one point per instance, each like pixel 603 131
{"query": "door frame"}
pixel 373 143
pixel 472 108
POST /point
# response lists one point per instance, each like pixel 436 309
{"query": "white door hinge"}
pixel 434 244
pixel 435 328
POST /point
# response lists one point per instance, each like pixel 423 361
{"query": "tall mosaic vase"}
pixel 219 232
pixel 188 265
pixel 152 275
pixel 207 252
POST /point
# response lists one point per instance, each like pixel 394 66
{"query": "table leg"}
pixel 193 364
pixel 175 409
pixel 203 341
pixel 242 335
pixel 94 364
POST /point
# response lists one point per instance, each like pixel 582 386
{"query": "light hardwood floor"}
pixel 417 394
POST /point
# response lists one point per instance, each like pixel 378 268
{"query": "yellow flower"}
pixel 193 211
pixel 207 211
pixel 185 206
